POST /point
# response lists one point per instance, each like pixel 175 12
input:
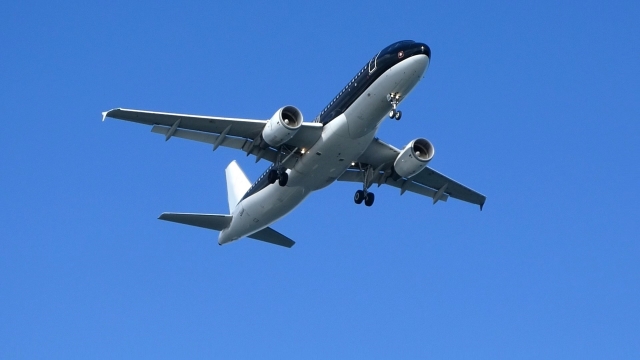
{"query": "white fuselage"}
pixel 342 142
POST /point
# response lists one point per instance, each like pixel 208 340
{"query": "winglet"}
pixel 105 114
pixel 481 206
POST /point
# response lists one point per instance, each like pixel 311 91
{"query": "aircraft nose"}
pixel 420 63
pixel 423 48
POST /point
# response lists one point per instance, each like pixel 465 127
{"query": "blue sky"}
pixel 535 104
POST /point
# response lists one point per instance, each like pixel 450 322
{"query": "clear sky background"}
pixel 533 103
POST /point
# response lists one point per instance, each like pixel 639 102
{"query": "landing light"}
pixel 303 151
pixel 353 164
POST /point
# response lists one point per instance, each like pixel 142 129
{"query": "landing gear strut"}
pixel 394 99
pixel 364 194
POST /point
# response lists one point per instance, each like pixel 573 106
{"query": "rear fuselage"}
pixel 350 122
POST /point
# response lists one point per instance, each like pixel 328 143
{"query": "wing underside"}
pixel 242 134
pixel 376 166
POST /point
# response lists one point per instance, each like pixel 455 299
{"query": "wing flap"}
pixel 273 237
pixel 231 142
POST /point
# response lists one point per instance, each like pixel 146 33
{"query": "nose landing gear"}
pixel 394 99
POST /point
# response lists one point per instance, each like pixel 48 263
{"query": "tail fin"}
pixel 237 184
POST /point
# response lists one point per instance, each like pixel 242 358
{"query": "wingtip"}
pixel 105 114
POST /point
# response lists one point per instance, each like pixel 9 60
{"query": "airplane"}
pixel 339 145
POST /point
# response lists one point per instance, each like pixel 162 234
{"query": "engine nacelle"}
pixel 282 126
pixel 414 158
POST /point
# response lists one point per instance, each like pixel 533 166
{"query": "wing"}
pixel 378 161
pixel 234 133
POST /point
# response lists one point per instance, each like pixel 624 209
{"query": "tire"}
pixel 369 198
pixel 392 114
pixel 398 115
pixel 284 177
pixel 358 197
pixel 272 176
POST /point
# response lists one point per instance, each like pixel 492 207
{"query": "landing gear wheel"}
pixel 398 115
pixel 272 176
pixel 284 177
pixel 393 113
pixel 359 197
pixel 369 198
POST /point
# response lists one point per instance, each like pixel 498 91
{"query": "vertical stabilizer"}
pixel 237 184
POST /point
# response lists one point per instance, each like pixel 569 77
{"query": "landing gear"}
pixel 278 172
pixel 273 176
pixel 369 198
pixel 280 176
pixel 395 114
pixel 394 99
pixel 282 180
pixel 364 194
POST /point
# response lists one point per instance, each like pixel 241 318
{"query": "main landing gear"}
pixel 394 99
pixel 364 194
pixel 280 176
pixel 279 172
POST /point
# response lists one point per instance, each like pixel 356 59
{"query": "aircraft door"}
pixel 373 63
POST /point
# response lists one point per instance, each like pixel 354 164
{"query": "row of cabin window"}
pixel 343 90
pixel 260 178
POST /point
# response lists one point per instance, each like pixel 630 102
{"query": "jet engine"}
pixel 282 126
pixel 414 158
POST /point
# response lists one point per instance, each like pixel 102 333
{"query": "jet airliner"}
pixel 340 144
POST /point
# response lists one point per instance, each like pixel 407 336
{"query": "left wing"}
pixel 235 133
pixel 378 161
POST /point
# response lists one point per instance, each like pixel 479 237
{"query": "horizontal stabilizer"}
pixel 271 236
pixel 207 221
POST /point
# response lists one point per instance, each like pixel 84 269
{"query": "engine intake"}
pixel 282 126
pixel 414 158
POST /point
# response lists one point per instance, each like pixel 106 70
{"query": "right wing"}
pixel 219 131
pixel 381 156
